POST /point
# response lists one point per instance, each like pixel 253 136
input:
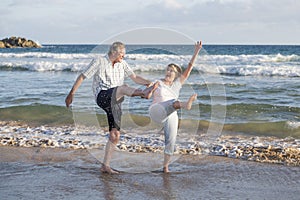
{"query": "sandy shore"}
pixel 46 173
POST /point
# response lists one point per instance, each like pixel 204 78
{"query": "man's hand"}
pixel 69 100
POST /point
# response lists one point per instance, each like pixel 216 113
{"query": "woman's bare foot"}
pixel 107 169
pixel 190 101
pixel 166 170
pixel 188 105
pixel 147 93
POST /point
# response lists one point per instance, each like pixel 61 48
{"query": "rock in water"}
pixel 13 42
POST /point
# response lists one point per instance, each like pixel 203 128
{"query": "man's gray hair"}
pixel 115 47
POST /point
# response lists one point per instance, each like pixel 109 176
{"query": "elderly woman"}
pixel 165 103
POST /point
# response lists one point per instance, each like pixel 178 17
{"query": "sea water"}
pixel 257 87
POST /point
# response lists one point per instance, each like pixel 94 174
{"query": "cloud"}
pixel 246 11
pixel 217 11
pixel 224 21
pixel 217 20
pixel 172 4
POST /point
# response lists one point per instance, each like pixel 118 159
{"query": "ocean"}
pixel 244 91
pixel 257 85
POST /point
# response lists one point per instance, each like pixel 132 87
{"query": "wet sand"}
pixel 55 173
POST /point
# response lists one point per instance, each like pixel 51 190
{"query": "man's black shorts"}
pixel 106 100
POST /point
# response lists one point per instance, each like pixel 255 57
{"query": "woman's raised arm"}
pixel 187 71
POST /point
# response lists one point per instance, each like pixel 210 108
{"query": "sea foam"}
pixel 238 65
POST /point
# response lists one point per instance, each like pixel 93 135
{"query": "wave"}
pixel 163 56
pixel 237 65
pixel 243 110
pixel 260 58
pixel 247 70
pixel 43 66
pixel 280 129
pixel 41 114
pixel 47 55
pixel 259 70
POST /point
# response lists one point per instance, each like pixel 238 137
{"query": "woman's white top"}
pixel 166 92
pixel 163 98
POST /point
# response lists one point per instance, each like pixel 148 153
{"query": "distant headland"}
pixel 14 42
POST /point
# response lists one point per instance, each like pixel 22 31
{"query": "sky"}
pixel 94 21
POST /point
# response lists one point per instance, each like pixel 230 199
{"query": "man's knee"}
pixel 121 91
pixel 114 136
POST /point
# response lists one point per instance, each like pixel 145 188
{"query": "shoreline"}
pixel 260 149
pixel 43 173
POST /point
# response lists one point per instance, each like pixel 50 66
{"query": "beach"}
pixel 47 173
pixel 56 162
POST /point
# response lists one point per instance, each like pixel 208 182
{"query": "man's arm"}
pixel 69 98
pixel 140 80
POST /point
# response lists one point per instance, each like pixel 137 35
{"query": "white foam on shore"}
pixel 263 149
pixel 293 125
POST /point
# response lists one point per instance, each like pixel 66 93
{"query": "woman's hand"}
pixel 198 46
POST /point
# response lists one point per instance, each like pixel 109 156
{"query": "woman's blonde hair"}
pixel 176 68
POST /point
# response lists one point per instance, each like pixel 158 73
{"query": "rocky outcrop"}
pixel 13 42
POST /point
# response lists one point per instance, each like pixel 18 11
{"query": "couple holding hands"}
pixel 108 74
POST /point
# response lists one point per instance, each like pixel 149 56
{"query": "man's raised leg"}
pixel 125 90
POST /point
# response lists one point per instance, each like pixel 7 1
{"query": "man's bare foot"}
pixel 147 93
pixel 107 169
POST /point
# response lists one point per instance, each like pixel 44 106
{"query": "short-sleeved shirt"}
pixel 165 92
pixel 105 75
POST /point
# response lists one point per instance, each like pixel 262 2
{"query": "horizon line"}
pixel 277 44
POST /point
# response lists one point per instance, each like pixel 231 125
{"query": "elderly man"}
pixel 109 73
